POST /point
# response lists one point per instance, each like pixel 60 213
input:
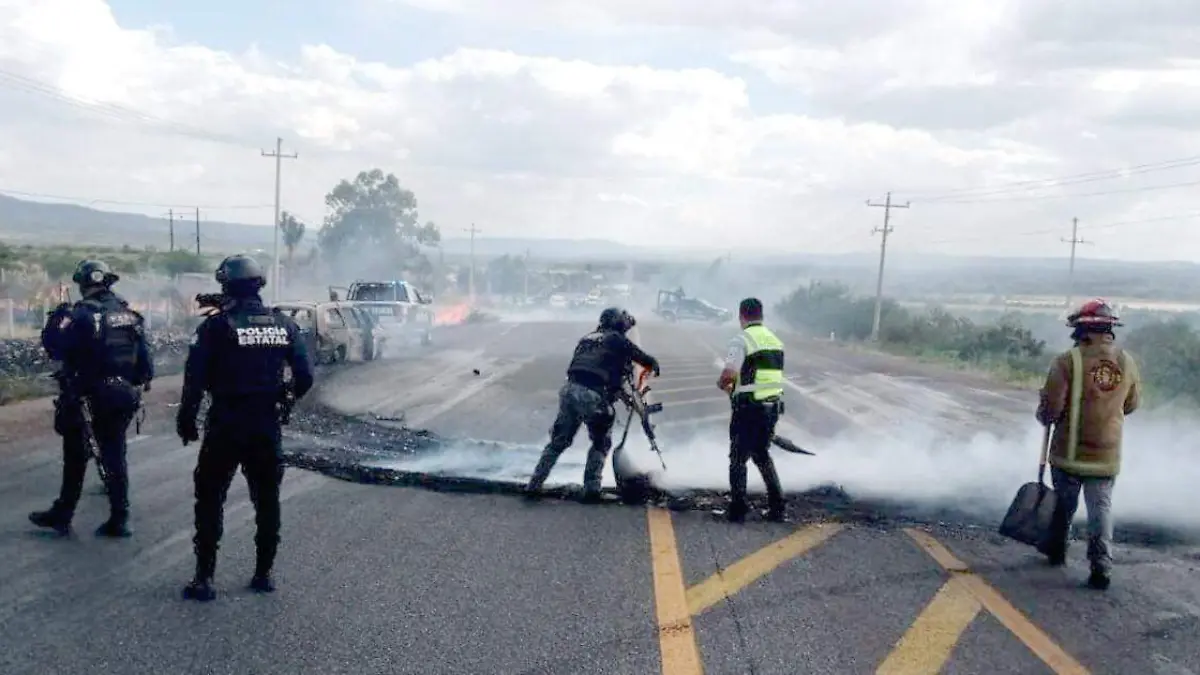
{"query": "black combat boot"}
pixel 201 588
pixel 262 581
pixel 777 514
pixel 737 512
pixel 116 527
pixel 53 519
pixel 1099 580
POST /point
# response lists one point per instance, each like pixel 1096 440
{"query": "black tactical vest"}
pixel 115 331
pixel 253 345
pixel 597 363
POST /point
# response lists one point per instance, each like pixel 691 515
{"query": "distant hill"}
pixel 40 223
pixel 47 224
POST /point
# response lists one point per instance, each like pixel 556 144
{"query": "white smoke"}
pixel 978 475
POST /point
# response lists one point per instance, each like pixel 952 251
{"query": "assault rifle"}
pixel 633 395
pixel 210 303
pixel 71 409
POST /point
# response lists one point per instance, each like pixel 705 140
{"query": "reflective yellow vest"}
pixel 761 376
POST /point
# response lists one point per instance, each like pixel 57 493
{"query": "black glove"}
pixel 185 426
pixel 654 369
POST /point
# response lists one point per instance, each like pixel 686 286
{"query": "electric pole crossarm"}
pixel 887 207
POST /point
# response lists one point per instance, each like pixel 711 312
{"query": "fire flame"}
pixel 451 314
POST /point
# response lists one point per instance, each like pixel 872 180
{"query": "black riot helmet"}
pixel 615 318
pixel 240 275
pixel 93 273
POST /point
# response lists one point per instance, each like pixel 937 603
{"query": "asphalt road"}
pixel 380 579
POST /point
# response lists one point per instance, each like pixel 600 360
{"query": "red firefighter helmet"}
pixel 1095 312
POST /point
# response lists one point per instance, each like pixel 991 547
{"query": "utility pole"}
pixel 471 278
pixel 1073 241
pixel 171 220
pixel 526 266
pixel 197 231
pixel 279 157
pixel 887 207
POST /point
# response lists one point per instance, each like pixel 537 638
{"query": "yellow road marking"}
pixel 746 571
pixel 676 634
pixel 927 644
pixel 1016 622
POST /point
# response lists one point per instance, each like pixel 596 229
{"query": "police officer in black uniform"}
pixel 237 355
pixel 106 364
pixel 593 380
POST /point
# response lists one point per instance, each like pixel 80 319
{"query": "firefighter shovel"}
pixel 785 443
pixel 1028 518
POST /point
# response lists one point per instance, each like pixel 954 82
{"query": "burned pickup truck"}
pixel 400 310
pixel 677 306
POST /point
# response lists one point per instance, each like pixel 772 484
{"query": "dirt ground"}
pixel 34 419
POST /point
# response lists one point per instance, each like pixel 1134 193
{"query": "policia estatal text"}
pixel 594 378
pixel 753 378
pixel 237 355
pixel 106 365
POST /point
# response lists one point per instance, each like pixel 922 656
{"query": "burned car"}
pixel 337 331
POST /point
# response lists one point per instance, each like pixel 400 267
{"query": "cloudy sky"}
pixel 721 123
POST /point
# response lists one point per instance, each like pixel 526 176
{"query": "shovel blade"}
pixel 785 443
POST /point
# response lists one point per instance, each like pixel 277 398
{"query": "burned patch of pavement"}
pixel 359 449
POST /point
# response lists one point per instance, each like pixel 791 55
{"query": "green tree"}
pixel 506 275
pixel 292 230
pixel 375 214
pixel 1168 355
pixel 179 262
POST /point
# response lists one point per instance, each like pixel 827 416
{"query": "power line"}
pixel 887 207
pixel 1145 188
pixel 113 111
pixel 1043 231
pixel 116 202
pixel 1032 184
pixel 279 157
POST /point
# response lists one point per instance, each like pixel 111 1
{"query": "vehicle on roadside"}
pixel 677 306
pixel 337 331
pixel 398 308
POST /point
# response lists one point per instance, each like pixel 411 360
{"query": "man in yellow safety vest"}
pixel 753 378
pixel 1088 392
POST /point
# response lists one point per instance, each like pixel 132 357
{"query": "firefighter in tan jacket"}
pixel 1089 391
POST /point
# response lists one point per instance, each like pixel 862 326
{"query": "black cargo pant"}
pixel 578 406
pixel 112 413
pixel 239 433
pixel 751 428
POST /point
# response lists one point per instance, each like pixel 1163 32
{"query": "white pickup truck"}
pixel 399 308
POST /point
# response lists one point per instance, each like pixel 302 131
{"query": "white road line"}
pixel 676 390
pixel 139 438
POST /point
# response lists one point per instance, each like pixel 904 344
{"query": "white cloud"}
pixel 919 96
